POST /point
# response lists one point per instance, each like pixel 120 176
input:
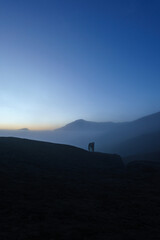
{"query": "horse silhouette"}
pixel 91 147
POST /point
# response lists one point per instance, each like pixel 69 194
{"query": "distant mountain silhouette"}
pixel 82 125
pixel 24 129
pixel 114 137
pixel 148 123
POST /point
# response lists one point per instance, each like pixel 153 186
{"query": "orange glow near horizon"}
pixel 30 127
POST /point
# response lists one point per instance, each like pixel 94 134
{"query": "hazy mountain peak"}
pixel 150 117
pixel 76 125
pixel 24 129
pixel 83 125
pixel 79 121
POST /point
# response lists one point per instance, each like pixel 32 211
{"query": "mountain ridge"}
pixel 81 122
pixel 110 136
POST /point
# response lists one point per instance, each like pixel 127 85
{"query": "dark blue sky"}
pixel 61 60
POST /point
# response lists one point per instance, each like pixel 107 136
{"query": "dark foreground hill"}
pixel 149 157
pixel 51 191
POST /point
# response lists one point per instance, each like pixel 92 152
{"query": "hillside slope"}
pixel 52 191
pixel 145 143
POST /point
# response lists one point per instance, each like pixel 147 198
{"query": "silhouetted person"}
pixel 91 147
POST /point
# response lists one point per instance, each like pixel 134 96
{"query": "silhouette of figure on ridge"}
pixel 91 147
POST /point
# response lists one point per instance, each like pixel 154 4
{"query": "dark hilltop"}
pixel 54 191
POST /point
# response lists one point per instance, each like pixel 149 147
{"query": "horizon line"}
pixel 57 126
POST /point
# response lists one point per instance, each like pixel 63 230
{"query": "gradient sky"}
pixel 61 60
